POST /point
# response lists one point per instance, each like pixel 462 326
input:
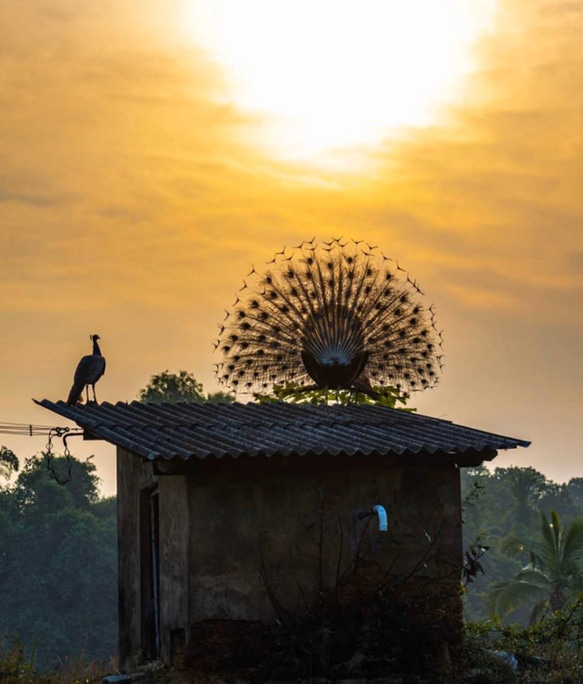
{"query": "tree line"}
pixel 533 529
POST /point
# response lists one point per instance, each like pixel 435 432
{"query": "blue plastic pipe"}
pixel 382 513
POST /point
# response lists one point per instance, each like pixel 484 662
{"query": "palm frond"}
pixel 548 549
pixel 512 545
pixel 505 596
pixel 572 544
pixel 534 576
pixel 538 611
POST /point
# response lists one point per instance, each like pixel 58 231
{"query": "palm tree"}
pixel 526 486
pixel 553 576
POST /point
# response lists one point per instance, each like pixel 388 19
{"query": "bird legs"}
pixel 87 393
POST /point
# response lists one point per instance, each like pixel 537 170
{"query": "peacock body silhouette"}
pixel 336 315
pixel 89 370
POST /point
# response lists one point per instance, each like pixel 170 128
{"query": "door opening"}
pixel 150 573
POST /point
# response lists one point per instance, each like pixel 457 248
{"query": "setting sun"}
pixel 333 74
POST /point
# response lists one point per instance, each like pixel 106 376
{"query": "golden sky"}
pixel 138 184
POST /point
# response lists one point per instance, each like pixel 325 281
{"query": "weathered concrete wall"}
pixel 241 540
pixel 293 533
pixel 133 476
pixel 174 541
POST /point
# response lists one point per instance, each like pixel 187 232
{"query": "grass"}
pixel 18 668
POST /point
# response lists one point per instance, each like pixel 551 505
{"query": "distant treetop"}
pixel 171 388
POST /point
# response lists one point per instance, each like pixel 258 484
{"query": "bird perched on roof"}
pixel 339 316
pixel 89 370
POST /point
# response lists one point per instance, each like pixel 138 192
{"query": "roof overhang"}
pixel 179 433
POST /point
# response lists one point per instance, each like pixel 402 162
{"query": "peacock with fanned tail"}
pixel 338 316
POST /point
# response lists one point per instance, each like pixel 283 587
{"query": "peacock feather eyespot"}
pixel 329 316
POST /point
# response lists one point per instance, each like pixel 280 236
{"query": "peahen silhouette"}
pixel 89 370
pixel 334 317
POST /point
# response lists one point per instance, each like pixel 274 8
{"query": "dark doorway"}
pixel 150 573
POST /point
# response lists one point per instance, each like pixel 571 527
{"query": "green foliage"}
pixel 295 394
pixel 166 387
pixel 58 573
pixel 526 486
pixel 171 388
pixel 16 667
pixel 492 502
pixel 220 398
pixel 8 462
pixel 548 651
pixel 552 577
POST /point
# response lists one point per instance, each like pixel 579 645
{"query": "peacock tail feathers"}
pixel 336 315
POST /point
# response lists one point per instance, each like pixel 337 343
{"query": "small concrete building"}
pixel 242 512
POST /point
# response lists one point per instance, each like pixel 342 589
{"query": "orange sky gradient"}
pixel 135 195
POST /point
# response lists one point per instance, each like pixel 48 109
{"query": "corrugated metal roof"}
pixel 184 431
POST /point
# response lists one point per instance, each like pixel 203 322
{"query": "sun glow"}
pixel 329 74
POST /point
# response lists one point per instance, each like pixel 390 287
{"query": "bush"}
pixel 547 652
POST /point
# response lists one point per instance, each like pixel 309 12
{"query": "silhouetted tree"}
pixel 526 486
pixel 171 388
pixel 8 462
pixel 58 563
